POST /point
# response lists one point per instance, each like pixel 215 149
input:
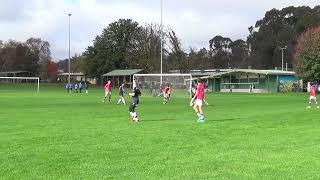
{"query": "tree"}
pixel 277 29
pixel 77 63
pixel 32 55
pixel 177 57
pixel 112 49
pixel 239 54
pixel 52 70
pixel 307 55
pixel 148 49
pixel 220 49
pixel 39 55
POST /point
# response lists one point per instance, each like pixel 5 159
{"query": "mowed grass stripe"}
pixel 54 135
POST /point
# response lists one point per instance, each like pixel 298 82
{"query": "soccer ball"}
pixel 135 120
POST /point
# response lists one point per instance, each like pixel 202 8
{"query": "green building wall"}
pixel 270 83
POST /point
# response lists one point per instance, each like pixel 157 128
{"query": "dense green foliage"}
pixel 54 135
pixel 307 55
pixel 277 29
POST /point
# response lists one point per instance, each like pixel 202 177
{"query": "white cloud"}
pixel 195 22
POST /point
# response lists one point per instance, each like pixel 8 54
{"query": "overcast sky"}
pixel 195 21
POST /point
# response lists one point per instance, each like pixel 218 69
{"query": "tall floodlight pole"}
pixel 69 15
pixel 282 55
pixel 161 51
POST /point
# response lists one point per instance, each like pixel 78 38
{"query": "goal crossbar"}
pixel 23 78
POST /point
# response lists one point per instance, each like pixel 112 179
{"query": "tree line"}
pixel 33 55
pixel 125 44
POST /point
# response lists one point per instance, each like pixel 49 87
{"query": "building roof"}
pixel 254 71
pixel 71 74
pixel 266 72
pixel 123 72
pixel 201 73
pixel 15 72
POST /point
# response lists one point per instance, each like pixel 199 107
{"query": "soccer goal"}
pixel 154 83
pixel 20 83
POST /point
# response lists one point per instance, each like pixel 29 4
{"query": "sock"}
pixel 317 103
pixel 124 102
pixel 119 101
pixel 198 114
pixel 309 103
pixel 134 114
pixel 131 113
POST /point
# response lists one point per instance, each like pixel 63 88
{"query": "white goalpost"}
pixel 155 83
pixel 16 80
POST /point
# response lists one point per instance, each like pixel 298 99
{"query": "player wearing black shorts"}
pixel 121 95
pixel 134 102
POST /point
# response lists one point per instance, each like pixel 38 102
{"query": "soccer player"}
pixel 107 90
pixel 166 94
pixel 198 101
pixel 86 87
pixel 76 87
pixel 121 95
pixel 70 87
pixel 134 102
pixel 80 87
pixel 193 92
pixel 67 88
pixel 313 96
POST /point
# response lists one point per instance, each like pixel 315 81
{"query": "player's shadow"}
pixel 222 120
pixel 207 120
pixel 155 120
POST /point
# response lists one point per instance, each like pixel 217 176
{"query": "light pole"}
pixel 69 15
pixel 282 55
pixel 161 51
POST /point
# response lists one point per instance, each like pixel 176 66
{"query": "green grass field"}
pixel 54 135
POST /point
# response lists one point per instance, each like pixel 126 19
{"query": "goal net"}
pixel 20 84
pixel 154 84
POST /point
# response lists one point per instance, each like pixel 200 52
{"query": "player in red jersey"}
pixel 313 96
pixel 166 94
pixel 107 90
pixel 198 100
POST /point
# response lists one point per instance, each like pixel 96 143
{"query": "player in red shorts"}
pixel 166 94
pixel 107 90
pixel 198 101
pixel 313 96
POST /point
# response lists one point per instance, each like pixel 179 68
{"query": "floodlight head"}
pixel 69 14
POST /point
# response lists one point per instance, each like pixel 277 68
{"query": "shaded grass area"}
pixel 55 135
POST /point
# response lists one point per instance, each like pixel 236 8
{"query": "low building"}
pixel 17 74
pixel 75 77
pixel 251 80
pixel 120 76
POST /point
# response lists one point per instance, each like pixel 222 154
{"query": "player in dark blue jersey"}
pixel 134 102
pixel 121 95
